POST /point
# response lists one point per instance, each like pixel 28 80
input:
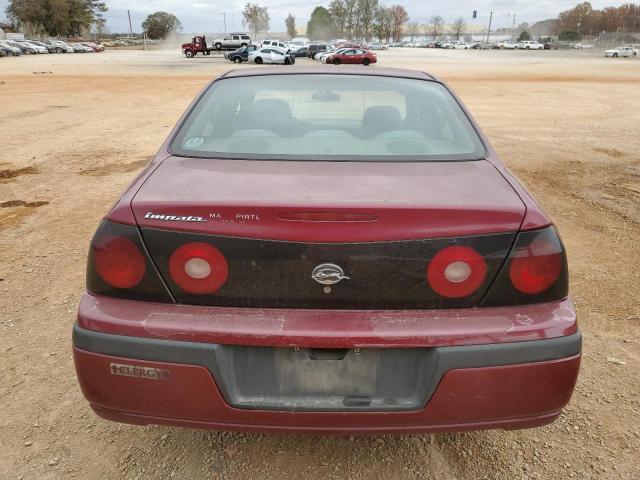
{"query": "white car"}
pixel 530 45
pixel 507 45
pixel 271 55
pixel 275 43
pixel 376 46
pixel 460 46
pixel 621 52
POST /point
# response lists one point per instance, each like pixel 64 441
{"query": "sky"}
pixel 210 16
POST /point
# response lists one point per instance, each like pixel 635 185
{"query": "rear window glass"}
pixel 324 117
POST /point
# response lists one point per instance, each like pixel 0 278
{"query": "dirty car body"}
pixel 329 252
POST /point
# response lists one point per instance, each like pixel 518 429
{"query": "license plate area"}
pixel 325 379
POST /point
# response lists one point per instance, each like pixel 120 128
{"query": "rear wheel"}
pixel 258 60
pixel 237 60
pixel 366 62
pixel 189 53
pixel 218 46
pixel 287 61
pixel 615 55
pixel 337 61
pixel 58 50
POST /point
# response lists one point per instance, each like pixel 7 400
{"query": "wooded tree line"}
pixel 357 19
pixel 56 17
pixel 584 20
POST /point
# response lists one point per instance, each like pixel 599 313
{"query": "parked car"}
pixel 507 45
pixel 15 51
pixel 94 46
pixel 241 54
pixel 323 56
pixel 5 53
pixel 232 41
pixel 62 47
pixel 530 45
pixel 35 46
pixel 622 51
pixel 25 48
pixel 275 43
pixel 300 51
pixel 80 48
pixel 376 46
pixel 317 47
pixel 271 55
pixel 327 252
pixel 50 48
pixel 353 56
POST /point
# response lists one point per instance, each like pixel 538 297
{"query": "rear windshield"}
pixel 326 117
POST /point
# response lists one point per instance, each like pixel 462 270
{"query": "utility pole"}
pixel 489 29
pixel 130 28
pixel 224 19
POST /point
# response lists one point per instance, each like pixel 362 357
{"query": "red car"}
pixel 327 252
pixel 356 56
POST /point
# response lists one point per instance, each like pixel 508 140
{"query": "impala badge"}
pixel 328 274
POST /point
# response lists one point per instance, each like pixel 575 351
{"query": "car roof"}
pixel 343 70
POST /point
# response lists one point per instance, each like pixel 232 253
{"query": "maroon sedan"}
pixel 327 252
pixel 354 56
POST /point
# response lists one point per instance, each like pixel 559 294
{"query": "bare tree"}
pixel 458 27
pixel 338 11
pixel 435 24
pixel 384 23
pixel 290 22
pixel 400 17
pixel 366 12
pixel 256 18
pixel 413 28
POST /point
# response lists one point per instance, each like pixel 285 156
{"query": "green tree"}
pixel 569 36
pixel 159 25
pixel 524 36
pixel 56 17
pixel 256 18
pixel 290 22
pixel 320 25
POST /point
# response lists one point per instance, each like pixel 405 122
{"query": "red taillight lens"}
pixel 118 261
pixel 456 272
pixel 537 266
pixel 198 268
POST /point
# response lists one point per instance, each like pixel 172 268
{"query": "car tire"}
pixel 337 61
pixel 258 60
pixel 287 61
pixel 58 50
pixel 615 55
pixel 189 54
pixel 366 62
pixel 243 45
pixel 237 60
pixel 218 46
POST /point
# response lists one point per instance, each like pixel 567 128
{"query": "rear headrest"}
pixel 380 119
pixel 271 114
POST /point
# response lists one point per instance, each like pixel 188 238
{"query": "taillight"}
pixel 536 271
pixel 456 271
pixel 198 267
pixel 535 267
pixel 118 265
pixel 118 261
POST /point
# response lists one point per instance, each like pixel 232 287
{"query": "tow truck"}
pixel 198 44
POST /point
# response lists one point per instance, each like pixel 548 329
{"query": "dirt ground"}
pixel 75 129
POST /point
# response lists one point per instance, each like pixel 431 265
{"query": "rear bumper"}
pixel 506 385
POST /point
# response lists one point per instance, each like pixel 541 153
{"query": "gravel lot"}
pixel 75 129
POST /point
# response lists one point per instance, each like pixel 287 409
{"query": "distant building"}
pixel 4 29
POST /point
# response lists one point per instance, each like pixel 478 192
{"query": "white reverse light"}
pixel 457 272
pixel 197 268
